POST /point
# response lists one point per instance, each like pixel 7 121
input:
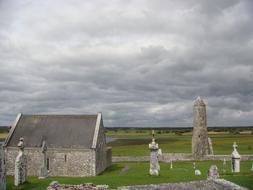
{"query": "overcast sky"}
pixel 140 63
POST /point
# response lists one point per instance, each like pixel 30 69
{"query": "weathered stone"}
pixel 20 165
pixel 235 159
pixel 203 185
pixel 2 169
pixel 200 144
pixel 154 163
pixel 43 173
pixel 213 172
pixel 87 186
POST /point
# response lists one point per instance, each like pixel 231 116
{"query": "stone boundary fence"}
pixel 167 157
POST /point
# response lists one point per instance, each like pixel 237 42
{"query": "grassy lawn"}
pixel 136 144
pixel 137 173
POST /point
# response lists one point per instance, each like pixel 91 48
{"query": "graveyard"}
pixel 183 159
pixel 135 143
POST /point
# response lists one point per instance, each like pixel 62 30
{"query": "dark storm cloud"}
pixel 142 63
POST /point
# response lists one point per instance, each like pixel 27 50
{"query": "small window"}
pixel 65 158
pixel 47 163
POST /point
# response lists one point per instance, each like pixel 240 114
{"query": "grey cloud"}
pixel 141 63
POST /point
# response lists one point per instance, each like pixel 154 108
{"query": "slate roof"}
pixel 59 131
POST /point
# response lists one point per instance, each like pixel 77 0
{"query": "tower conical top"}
pixel 199 102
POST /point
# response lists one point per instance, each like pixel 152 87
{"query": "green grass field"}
pixel 137 174
pixel 130 143
pixel 135 143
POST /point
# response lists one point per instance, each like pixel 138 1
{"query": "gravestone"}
pixel 200 143
pixel 154 164
pixel 2 169
pixel 43 173
pixel 213 172
pixel 235 159
pixel 197 172
pixel 20 165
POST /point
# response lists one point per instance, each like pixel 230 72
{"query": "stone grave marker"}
pixel 235 158
pixel 2 169
pixel 43 173
pixel 154 163
pixel 213 172
pixel 20 171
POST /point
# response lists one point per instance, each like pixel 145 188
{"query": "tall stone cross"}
pixel 154 164
pixel 235 158
pixel 20 171
pixel 43 173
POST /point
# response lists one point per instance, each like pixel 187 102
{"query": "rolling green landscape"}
pixel 135 142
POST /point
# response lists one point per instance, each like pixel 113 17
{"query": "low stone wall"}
pixel 108 157
pixel 227 157
pixel 205 184
pixel 167 157
pixel 87 186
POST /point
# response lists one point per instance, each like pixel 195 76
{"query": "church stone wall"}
pixel 62 162
pixel 101 152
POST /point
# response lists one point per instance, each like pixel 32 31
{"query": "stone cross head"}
pixel 21 144
pixel 235 146
pixel 44 146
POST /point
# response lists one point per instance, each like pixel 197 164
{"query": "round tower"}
pixel 200 146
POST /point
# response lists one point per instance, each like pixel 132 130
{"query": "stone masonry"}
pixel 87 186
pixel 53 152
pixel 2 169
pixel 200 143
pixel 200 185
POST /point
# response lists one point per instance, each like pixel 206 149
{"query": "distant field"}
pixel 3 136
pixel 137 174
pixel 135 143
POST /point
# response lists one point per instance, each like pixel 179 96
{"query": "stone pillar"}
pixel 2 169
pixel 20 165
pixel 43 173
pixel 200 144
pixel 235 159
pixel 154 164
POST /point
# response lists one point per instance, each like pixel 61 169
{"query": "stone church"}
pixel 76 144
